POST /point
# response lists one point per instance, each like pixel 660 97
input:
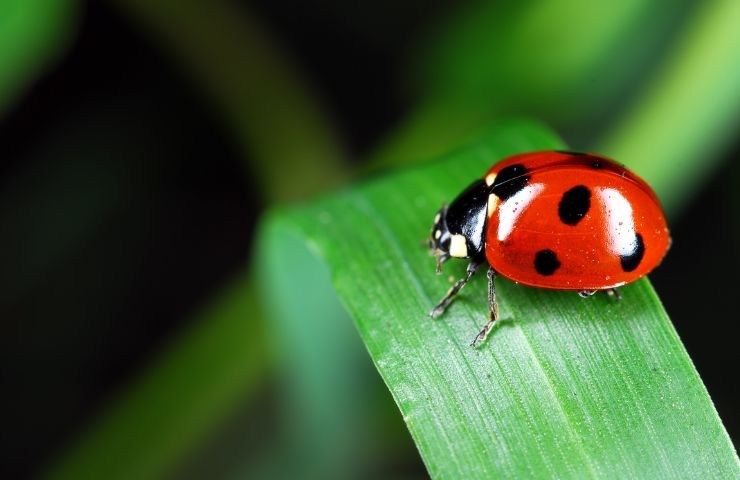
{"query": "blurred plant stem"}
pixel 486 61
pixel 290 147
pixel 192 386
pixel 33 33
pixel 290 151
pixel 674 132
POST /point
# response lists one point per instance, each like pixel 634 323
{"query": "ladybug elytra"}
pixel 553 219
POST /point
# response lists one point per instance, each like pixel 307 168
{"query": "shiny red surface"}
pixel 621 205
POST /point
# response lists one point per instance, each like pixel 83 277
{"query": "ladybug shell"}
pixel 571 221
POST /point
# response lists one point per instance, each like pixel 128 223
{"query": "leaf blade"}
pixel 565 387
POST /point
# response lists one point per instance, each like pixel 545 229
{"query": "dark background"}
pixel 116 143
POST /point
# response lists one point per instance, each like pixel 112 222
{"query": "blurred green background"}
pixel 141 140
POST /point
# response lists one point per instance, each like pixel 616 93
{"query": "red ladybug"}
pixel 554 219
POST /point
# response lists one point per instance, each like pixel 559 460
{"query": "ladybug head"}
pixel 440 237
pixel 458 229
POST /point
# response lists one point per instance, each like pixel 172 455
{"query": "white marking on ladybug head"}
pixel 493 201
pixel 437 217
pixel 458 246
pixel 437 234
pixel 490 178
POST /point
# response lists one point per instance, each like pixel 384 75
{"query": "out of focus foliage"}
pixel 655 87
pixel 33 34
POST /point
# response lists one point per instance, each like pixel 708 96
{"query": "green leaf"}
pixel 564 387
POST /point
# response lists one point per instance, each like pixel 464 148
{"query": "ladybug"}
pixel 558 220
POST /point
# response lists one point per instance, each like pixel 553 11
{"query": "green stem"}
pixel 286 137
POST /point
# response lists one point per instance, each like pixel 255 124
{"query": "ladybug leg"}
pixel 450 295
pixel 492 309
pixel 586 293
pixel 614 293
pixel 441 258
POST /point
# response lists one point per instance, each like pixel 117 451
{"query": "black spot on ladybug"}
pixel 510 180
pixel 574 205
pixel 632 260
pixel 597 165
pixel 546 262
